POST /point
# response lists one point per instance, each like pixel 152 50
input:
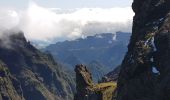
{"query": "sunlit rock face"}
pixel 149 49
pixel 88 90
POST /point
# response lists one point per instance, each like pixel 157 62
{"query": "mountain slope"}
pixel 37 74
pixel 97 70
pixel 7 90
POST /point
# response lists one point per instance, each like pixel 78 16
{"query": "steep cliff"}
pixel 87 90
pixel 149 49
pixel 26 73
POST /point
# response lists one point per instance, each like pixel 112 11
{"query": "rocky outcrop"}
pixel 149 49
pixel 87 90
pixel 28 74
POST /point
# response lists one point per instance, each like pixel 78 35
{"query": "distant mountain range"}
pixel 106 50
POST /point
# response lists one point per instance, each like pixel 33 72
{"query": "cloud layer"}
pixel 54 24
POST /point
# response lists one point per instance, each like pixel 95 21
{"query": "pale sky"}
pixel 67 4
pixel 70 19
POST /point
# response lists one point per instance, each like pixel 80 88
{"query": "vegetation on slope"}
pixel 38 75
pixel 86 89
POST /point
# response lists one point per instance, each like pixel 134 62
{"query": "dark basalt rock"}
pixel 149 48
pixel 87 90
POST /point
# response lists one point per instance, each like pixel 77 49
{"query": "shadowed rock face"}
pixel 87 90
pixel 7 90
pixel 149 48
pixel 26 73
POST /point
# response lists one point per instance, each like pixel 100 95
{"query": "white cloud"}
pixel 44 24
pixel 8 19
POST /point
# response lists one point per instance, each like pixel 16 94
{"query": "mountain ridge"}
pixel 38 76
pixel 103 48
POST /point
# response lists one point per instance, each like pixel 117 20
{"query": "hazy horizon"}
pixel 46 22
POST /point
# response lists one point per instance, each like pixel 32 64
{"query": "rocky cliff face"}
pixel 87 90
pixel 149 49
pixel 28 74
